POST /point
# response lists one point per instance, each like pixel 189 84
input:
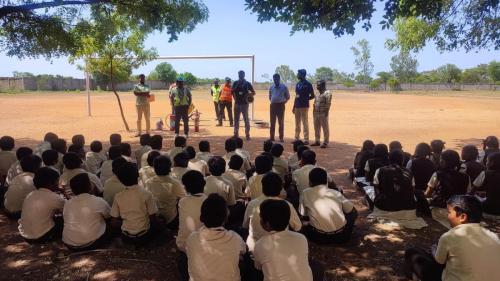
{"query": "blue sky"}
pixel 231 30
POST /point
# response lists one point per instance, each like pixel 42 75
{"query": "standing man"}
pixel 243 94
pixel 278 95
pixel 321 109
pixel 180 97
pixel 215 93
pixel 141 91
pixel 226 102
pixel 304 92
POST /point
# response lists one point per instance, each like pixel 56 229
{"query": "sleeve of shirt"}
pixel 104 208
pixel 231 199
pixel 375 177
pixel 479 181
pixel 433 181
pixel 150 203
pixel 246 217
pixel 442 250
pixel 249 85
pixel 311 91
pixel 257 254
pixel 242 245
pixel 115 209
pixel 408 165
pixel 347 205
pixel 367 167
pixel 295 222
pixel 59 202
pixel 270 92
pixel 97 183
pixel 302 205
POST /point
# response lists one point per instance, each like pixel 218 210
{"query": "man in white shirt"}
pixel 204 153
pixel 113 185
pixel 95 157
pixel 106 170
pixel 262 165
pixel 85 217
pixel 331 215
pixel 181 162
pixel 280 166
pixel 241 151
pixel 179 144
pixel 230 147
pixel 156 143
pixel 37 223
pixel 468 251
pixel 271 186
pixel 144 141
pixel 300 177
pixel 196 164
pixel 148 171
pixel 218 184
pixel 213 252
pixel 46 144
pixel 21 186
pixel 72 167
pixel 293 159
pixel 237 178
pixel 15 169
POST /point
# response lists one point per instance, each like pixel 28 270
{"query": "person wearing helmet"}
pixel 215 91
pixel 226 102
pixel 243 94
pixel 321 108
pixel 180 97
pixel 141 91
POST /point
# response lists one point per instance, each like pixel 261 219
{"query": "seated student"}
pixel 15 169
pixel 280 166
pixel 179 145
pixel 230 147
pixel 204 153
pixel 237 178
pixel 46 144
pixel 262 165
pixel 213 252
pixel 166 191
pixel 437 147
pixel 94 158
pixel 268 144
pixel 7 156
pixel 300 177
pixel 447 181
pixel 331 215
pixel 293 160
pixel 73 167
pixel 81 154
pixel 360 159
pixel 490 145
pixel 190 207
pixel 113 185
pixel 148 171
pixel 127 152
pixel 79 141
pixel 241 151
pixel 466 252
pixel 271 187
pixel 106 170
pixel 50 158
pixel 216 183
pixel 489 182
pixel 156 143
pixel 181 161
pixel 274 250
pixel 21 186
pixel 144 141
pixel 85 217
pixel 135 207
pixel 196 164
pixel 380 159
pixel 37 223
pixel 470 165
pixel 61 147
pixel 115 139
pixel 396 145
pixel 421 167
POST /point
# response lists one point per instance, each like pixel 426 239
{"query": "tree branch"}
pixel 7 10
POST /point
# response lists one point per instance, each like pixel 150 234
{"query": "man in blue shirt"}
pixel 243 94
pixel 278 95
pixel 304 93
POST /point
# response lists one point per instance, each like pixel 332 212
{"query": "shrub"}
pixel 374 84
pixel 394 85
pixel 348 83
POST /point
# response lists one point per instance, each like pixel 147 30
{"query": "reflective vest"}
pixel 216 93
pixel 180 98
pixel 226 94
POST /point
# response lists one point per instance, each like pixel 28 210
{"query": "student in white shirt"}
pixel 85 217
pixel 72 167
pixel 218 184
pixel 21 186
pixel 179 144
pixel 237 178
pixel 262 165
pixel 95 157
pixel 134 208
pixel 50 158
pixel 127 152
pixel 280 166
pixel 38 222
pixel 230 147
pixel 46 144
pixel 241 151
pixel 15 169
pixel 144 141
pixel 331 216
pixel 204 153
pixel 196 164
pixel 106 170
pixel 213 252
pixel 272 187
pixel 148 171
pixel 7 156
pixel 273 252
pixel 293 159
pixel 113 185
pixel 181 161
pixel 166 191
pixel 156 143
pixel 468 251
pixel 300 177
pixel 61 147
pixel 78 150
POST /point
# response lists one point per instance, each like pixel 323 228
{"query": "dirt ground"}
pixel 374 253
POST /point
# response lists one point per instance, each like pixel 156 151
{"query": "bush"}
pixel 374 84
pixel 348 83
pixel 394 84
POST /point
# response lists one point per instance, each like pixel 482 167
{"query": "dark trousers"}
pixel 55 233
pixel 228 105
pixel 423 265
pixel 277 110
pixel 241 109
pixel 218 111
pixel 181 112
pixel 338 237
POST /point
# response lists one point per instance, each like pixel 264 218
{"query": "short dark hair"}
pixel 467 204
pixel 180 141
pixel 59 145
pixel 31 163
pixel 190 151
pixel 269 156
pixel 239 142
pixel 162 165
pixel 470 153
pixel 96 146
pixel 156 142
pixel 395 145
pixel 181 159
pixel 396 157
pixel 78 150
pixel 50 157
pixel 7 143
pixel 309 157
pixel 235 162
pixel 300 151
pixel 78 140
pixel 276 213
pixel 126 149
pixel 276 75
pixel 422 150
pixel 272 184
pixel 45 177
pixel 263 164
pixel 368 145
pixel 50 137
pixel 493 162
pixel 204 146
pixel 318 176
pixel 22 152
pixel 230 145
pixel 381 151
pixel 193 181
pixel 71 161
pixel 152 155
pixel 115 139
pixel 437 146
pixel 491 142
pixel 296 144
pixel 213 211
pixel 80 184
pixel 144 139
pixel 128 174
pixel 114 152
pixel 117 163
pixel 217 165
pixel 268 144
pixel 451 159
pixel 277 150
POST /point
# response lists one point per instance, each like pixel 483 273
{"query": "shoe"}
pixel 324 145
pixel 306 142
pixel 231 125
pixel 282 141
pixel 247 137
pixel 316 144
pixel 218 125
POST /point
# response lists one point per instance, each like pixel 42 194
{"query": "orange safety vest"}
pixel 226 94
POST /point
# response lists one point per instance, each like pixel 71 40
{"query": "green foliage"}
pixel 189 79
pixel 404 67
pixel 375 84
pixel 427 77
pixel 471 76
pixel 362 61
pixel 164 72
pixel 449 73
pixel 286 73
pixel 324 73
pixel 393 84
pixel 22 74
pixel 348 83
pixel 384 76
pixel 412 34
pixel 494 71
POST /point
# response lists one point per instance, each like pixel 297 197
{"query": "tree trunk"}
pixel 117 96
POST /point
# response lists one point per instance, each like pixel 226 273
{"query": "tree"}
pixel 22 74
pixel 384 76
pixel 189 79
pixel 451 24
pixel 324 73
pixel 427 77
pixel 471 76
pixel 266 77
pixel 286 73
pixel 165 72
pixel 494 71
pixel 404 67
pixel 362 60
pixel 449 73
pixel 53 28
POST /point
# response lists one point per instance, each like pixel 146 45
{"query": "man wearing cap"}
pixel 243 94
pixel 278 95
pixel 180 97
pixel 304 92
pixel 322 104
pixel 141 91
pixel 226 102
pixel 215 93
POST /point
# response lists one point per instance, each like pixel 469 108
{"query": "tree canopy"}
pixel 286 73
pixel 362 61
pixel 404 67
pixel 164 72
